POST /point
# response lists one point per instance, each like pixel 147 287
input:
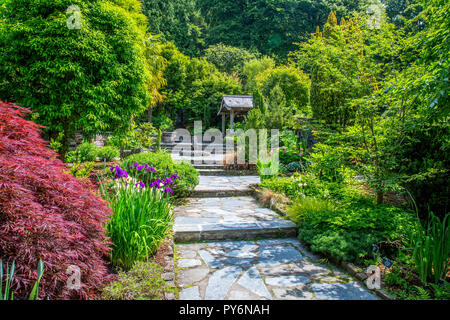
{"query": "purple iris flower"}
pixel 140 184
pixel 120 173
pixel 175 176
pixel 156 184
pixel 166 190
pixel 168 181
pixel 134 165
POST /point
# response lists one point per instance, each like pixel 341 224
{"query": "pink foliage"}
pixel 46 213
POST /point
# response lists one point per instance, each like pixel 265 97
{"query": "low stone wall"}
pixel 77 139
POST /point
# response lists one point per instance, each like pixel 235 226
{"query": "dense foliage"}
pixel 47 214
pixel 177 21
pixel 165 166
pixel 91 79
pixel 271 27
pixel 194 89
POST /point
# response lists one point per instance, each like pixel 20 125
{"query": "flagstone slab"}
pixel 287 281
pixel 220 282
pixel 276 266
pixel 307 267
pixel 191 293
pixel 292 294
pixel 252 281
pixel 274 255
pixel 341 291
pixel 188 276
pixel 188 263
pixel 210 260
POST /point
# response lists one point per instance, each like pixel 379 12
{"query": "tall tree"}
pixel 271 27
pixel 229 59
pixel 177 21
pixel 90 76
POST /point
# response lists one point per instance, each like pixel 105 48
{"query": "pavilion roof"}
pixel 236 103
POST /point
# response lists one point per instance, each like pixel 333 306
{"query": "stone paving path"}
pixel 251 269
pixel 228 218
pixel 267 269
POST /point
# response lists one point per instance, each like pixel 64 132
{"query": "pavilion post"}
pixel 223 123
pixel 232 120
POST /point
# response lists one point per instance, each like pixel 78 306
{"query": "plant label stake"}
pixel 375 248
pixel 388 263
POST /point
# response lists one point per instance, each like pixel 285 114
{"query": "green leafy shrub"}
pixel 296 186
pixel 137 136
pixel 108 153
pixel 266 169
pixel 163 122
pixel 165 166
pixel 87 151
pixel 71 157
pixel 329 163
pixel 142 282
pixel 82 170
pixel 294 167
pixel 306 207
pixel 348 232
pixel 287 157
pixel 142 218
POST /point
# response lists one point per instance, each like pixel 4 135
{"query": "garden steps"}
pixel 224 186
pixel 231 248
pixel 228 218
pixel 223 209
pixel 223 172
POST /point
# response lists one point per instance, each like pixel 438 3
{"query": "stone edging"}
pixel 349 267
pixel 169 271
pixel 355 272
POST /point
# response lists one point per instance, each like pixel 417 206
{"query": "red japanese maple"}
pixel 46 213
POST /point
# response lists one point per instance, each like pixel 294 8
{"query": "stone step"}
pixel 224 186
pixel 171 145
pixel 211 193
pixel 223 172
pixel 228 219
pixel 235 231
pixel 187 153
pixel 208 166
pixel 212 172
pixel 199 160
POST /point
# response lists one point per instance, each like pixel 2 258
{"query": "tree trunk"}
pixel 379 196
pixel 150 111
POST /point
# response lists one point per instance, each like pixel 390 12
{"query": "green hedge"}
pixel 165 166
pixel 338 219
pixel 110 152
pixel 346 229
